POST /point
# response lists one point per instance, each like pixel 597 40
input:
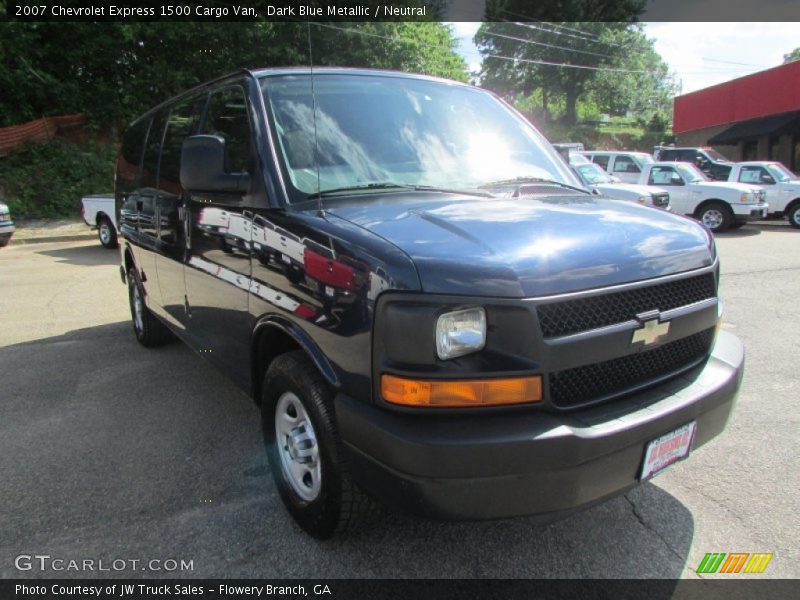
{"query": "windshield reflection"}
pixel 408 131
pixel 691 173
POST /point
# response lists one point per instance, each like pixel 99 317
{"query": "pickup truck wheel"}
pixel 148 329
pixel 794 215
pixel 716 216
pixel 304 448
pixel 106 233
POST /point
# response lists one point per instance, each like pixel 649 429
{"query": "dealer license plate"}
pixel 668 449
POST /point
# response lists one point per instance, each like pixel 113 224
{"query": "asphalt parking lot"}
pixel 112 451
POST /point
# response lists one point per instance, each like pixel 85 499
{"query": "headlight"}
pixel 460 332
pixel 745 197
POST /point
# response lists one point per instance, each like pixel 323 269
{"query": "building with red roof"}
pixel 756 117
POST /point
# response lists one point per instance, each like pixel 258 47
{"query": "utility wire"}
pixel 730 62
pixel 527 41
pixel 582 35
pixel 511 58
pixel 566 65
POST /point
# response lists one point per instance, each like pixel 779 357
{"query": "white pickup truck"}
pixel 98 212
pixel 781 185
pixel 596 179
pixel 719 205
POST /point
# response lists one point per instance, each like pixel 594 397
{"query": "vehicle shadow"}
pixel 777 225
pixel 746 231
pixel 161 456
pixel 86 255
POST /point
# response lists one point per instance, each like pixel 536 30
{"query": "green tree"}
pixel 583 41
pixel 643 86
pixel 114 71
pixel 792 56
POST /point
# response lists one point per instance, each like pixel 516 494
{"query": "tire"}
pixel 148 329
pixel 794 215
pixel 304 449
pixel 106 233
pixel 716 216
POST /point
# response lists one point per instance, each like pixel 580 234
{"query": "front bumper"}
pixel 6 231
pixel 520 463
pixel 750 212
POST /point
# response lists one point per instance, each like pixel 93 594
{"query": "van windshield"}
pixel 374 131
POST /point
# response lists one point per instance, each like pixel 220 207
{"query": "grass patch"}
pixel 47 180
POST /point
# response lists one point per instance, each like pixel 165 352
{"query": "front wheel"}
pixel 794 216
pixel 716 216
pixel 107 233
pixel 150 332
pixel 304 448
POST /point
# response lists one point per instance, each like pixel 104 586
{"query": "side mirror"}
pixel 203 167
pixel 676 180
pixel 768 179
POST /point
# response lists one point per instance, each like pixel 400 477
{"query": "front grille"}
pixel 661 200
pixel 581 314
pixel 604 380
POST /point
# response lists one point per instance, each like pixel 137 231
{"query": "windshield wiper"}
pixel 388 185
pixel 520 181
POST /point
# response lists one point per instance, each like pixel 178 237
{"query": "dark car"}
pixel 708 160
pixel 426 304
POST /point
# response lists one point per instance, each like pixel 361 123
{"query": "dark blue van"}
pixel 426 304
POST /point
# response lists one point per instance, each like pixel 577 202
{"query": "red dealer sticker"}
pixel 668 449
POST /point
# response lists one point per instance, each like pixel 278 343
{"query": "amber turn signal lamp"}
pixel 461 393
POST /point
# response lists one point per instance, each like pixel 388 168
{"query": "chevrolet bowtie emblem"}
pixel 650 332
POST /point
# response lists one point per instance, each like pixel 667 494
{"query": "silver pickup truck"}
pixel 98 212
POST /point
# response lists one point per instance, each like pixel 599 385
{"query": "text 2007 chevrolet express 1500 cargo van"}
pixel 425 303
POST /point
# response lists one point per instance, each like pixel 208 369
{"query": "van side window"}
pixel 601 159
pixel 152 152
pixel 227 117
pixel 183 121
pixel 132 147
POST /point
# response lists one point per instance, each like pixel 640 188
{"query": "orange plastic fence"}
pixel 40 129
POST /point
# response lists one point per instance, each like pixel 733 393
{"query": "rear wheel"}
pixel 106 233
pixel 148 329
pixel 717 216
pixel 794 215
pixel 304 448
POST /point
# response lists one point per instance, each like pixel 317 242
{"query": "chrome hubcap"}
pixel 712 218
pixel 297 447
pixel 795 216
pixel 105 233
pixel 138 309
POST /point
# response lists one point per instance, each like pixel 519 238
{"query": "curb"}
pixel 56 238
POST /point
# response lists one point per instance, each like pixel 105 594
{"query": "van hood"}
pixel 530 246
pixel 627 190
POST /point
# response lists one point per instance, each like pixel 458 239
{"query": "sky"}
pixel 695 51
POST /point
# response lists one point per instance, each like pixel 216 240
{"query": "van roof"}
pixel 277 71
